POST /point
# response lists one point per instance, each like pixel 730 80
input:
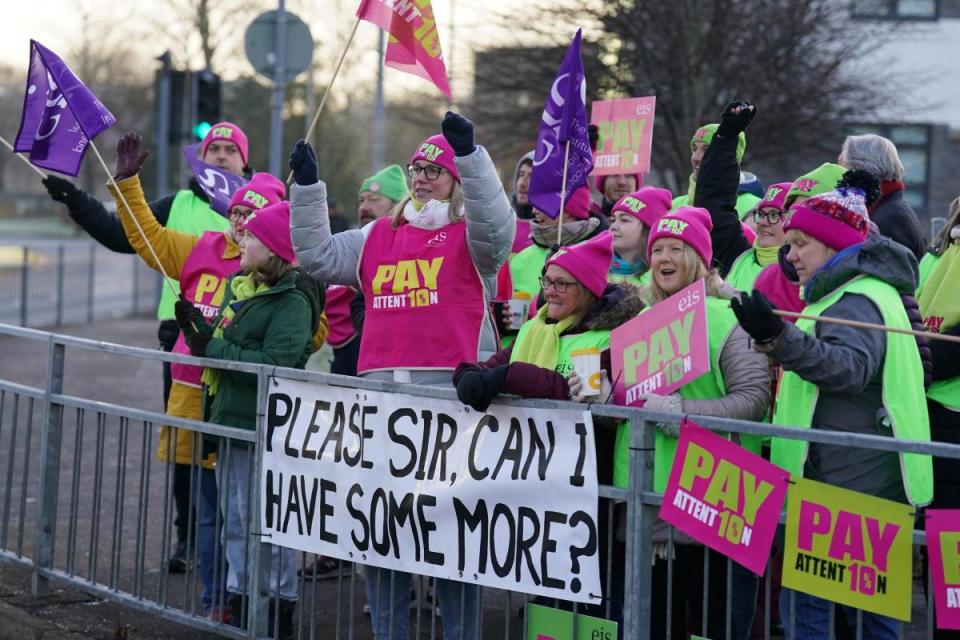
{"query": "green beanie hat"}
pixel 706 132
pixel 389 182
pixel 821 180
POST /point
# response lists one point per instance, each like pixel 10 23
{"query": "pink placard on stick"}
pixel 663 348
pixel 626 135
pixel 943 545
pixel 724 496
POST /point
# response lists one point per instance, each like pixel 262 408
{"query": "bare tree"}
pixel 802 61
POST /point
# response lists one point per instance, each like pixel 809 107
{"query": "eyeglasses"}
pixel 559 285
pixel 772 217
pixel 430 171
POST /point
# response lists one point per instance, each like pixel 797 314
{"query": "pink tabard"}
pixel 522 240
pixel 203 279
pixel 423 296
pixel 338 315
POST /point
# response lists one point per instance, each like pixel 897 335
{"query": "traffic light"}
pixel 206 102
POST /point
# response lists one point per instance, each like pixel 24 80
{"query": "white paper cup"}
pixel 518 305
pixel 586 362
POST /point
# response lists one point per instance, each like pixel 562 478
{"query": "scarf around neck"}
pixel 432 214
pixel 766 256
pixel 541 341
pixel 573 232
pixel 622 267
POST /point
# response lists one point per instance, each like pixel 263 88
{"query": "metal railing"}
pixel 49 283
pixel 80 487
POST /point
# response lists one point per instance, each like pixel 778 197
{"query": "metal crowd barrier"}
pixel 49 283
pixel 86 503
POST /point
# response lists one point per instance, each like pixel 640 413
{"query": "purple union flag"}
pixel 564 120
pixel 217 183
pixel 60 115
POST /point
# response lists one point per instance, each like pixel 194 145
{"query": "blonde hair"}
pixel 695 269
pixel 456 206
pixel 942 241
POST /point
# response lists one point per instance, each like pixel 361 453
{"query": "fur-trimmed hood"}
pixel 620 303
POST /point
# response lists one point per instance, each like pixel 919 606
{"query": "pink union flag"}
pixel 60 114
pixel 414 45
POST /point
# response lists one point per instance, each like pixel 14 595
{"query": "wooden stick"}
pixel 23 157
pixel 867 325
pixel 563 191
pixel 323 100
pixel 166 278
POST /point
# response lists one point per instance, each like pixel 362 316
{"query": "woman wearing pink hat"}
pixel 427 271
pixel 581 309
pixel 768 216
pixel 269 315
pixel 631 219
pixel 680 252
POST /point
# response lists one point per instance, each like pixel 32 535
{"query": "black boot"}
pixel 237 603
pixel 287 628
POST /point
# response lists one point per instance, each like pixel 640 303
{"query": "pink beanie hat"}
pixel 578 204
pixel 588 261
pixel 271 226
pixel 436 150
pixel 229 132
pixel 262 190
pixel 648 204
pixel 599 181
pixel 838 218
pixel 689 224
pixel 775 196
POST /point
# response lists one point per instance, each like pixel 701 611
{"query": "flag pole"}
pixel 563 191
pixel 326 94
pixel 24 158
pixel 867 325
pixel 153 253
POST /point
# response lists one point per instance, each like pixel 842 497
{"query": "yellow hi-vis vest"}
pixel 903 395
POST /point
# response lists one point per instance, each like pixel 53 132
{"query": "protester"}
pixel 939 283
pixel 843 378
pixel 679 251
pixel 202 265
pixel 768 218
pixel 187 210
pixel 457 229
pixel 521 202
pixel 747 184
pixel 716 181
pixel 581 310
pixel 893 215
pixel 614 187
pixel 632 217
pixel 268 316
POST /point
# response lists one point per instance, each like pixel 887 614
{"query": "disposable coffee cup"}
pixel 518 306
pixel 586 362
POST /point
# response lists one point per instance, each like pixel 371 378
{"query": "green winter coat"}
pixel 271 327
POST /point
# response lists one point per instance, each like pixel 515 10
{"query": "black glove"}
pixel 459 133
pixel 130 156
pixel 303 162
pixel 63 190
pixel 478 387
pixel 593 133
pixel 756 316
pixel 736 117
pixel 198 344
pixel 189 319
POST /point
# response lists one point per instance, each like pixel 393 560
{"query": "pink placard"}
pixel 724 496
pixel 943 546
pixel 663 348
pixel 626 135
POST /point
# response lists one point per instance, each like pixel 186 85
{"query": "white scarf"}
pixel 433 215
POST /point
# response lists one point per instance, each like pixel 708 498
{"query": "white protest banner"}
pixel 505 499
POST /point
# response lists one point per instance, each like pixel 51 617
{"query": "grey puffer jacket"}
pixel 333 258
pixel 846 363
